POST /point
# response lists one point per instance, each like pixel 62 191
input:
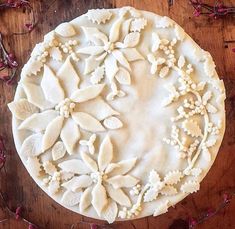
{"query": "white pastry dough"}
pixel 119 114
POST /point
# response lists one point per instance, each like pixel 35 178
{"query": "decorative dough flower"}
pixel 115 50
pixel 99 182
pixel 64 108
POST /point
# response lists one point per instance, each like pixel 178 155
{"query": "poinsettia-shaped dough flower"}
pixel 100 182
pixel 62 106
pixel 118 48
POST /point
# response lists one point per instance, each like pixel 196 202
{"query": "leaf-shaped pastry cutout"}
pixel 46 156
pixel 99 198
pixel 74 166
pixel 181 61
pixel 85 200
pixel 206 154
pixel 112 123
pixel 102 56
pixel 56 54
pixel 94 35
pixel 173 177
pixel 179 32
pixel 118 195
pixel 99 15
pixel 54 187
pixel 200 86
pixel 164 71
pixel 105 153
pixel 174 95
pixel 132 54
pixel 111 67
pixel 114 32
pixel 49 168
pixel 111 167
pixel 69 139
pixel 151 58
pixel 49 36
pixel 154 68
pixel 131 39
pixel 190 187
pixel 76 183
pixel 65 30
pixel 87 93
pixel 209 65
pixel 123 167
pixel 52 133
pixel 167 101
pixel 121 59
pixel 154 177
pixel 39 121
pixel 70 198
pixel 206 97
pixel 22 109
pixel 58 150
pixel 120 181
pixel 32 145
pixel 125 27
pixel 156 42
pixel 138 24
pixel 89 142
pixel 166 42
pixel 97 75
pixel 123 76
pixel 98 108
pixel 168 190
pixel 220 98
pixel 150 195
pixel 36 96
pixel 110 211
pixel 195 171
pixel 91 63
pixel 219 85
pixel 198 53
pixel 37 50
pixel 133 12
pixel 210 108
pixel 161 208
pixel 33 166
pixel 192 128
pixel 32 67
pixel 68 77
pixel 51 86
pixel 211 142
pixel 160 61
pixel 90 163
pixel 87 122
pixel 91 50
pixel 65 175
pixel 164 22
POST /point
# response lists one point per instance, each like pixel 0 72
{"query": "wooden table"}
pixel 216 36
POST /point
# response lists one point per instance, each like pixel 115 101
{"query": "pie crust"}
pixel 118 114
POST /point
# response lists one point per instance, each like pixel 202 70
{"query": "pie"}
pixel 118 114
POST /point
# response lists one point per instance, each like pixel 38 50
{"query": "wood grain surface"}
pixel 216 36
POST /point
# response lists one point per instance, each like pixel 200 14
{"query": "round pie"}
pixel 118 114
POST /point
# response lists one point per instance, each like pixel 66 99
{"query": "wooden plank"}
pixel 215 36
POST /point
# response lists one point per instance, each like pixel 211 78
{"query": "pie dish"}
pixel 118 114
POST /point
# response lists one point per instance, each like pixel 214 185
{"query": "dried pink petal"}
pixel 18 213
